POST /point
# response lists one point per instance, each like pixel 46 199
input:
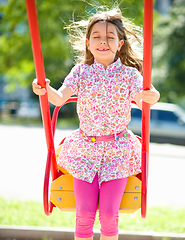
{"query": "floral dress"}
pixel 103 107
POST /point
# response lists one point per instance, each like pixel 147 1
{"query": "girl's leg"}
pixel 86 197
pixel 77 238
pixel 115 237
pixel 111 193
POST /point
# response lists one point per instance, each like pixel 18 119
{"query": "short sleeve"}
pixel 72 79
pixel 136 83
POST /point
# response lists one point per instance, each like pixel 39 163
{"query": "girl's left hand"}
pixel 150 96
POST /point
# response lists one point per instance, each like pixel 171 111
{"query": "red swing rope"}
pixel 40 74
pixel 147 67
pixel 51 164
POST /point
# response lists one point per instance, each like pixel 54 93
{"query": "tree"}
pixel 16 59
pixel 169 54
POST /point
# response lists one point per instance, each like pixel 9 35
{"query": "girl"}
pixel 102 153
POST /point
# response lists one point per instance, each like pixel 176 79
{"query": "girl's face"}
pixel 104 42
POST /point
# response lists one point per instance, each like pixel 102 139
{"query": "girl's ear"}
pixel 120 44
pixel 87 42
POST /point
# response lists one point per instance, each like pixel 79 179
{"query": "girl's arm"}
pixel 149 96
pixel 56 97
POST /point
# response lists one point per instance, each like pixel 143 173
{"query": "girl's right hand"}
pixel 37 89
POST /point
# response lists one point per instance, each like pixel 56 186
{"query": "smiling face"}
pixel 104 42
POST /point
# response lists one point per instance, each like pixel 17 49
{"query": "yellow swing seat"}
pixel 62 192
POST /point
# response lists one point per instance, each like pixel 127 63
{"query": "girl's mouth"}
pixel 102 49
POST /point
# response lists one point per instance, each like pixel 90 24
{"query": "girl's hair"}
pixel 126 30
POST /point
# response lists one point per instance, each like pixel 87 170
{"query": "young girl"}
pixel 102 153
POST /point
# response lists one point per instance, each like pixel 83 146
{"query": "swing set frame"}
pixel 49 127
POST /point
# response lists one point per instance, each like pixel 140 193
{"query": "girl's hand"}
pixel 37 89
pixel 56 97
pixel 150 96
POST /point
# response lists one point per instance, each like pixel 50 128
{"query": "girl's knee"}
pixel 109 218
pixel 84 224
pixel 109 223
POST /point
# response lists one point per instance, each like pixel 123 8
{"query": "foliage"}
pixel 169 54
pixel 16 59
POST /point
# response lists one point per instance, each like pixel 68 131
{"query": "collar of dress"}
pixel 115 65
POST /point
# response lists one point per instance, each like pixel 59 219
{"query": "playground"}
pixel 27 148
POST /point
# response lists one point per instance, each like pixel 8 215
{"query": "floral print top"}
pixel 103 107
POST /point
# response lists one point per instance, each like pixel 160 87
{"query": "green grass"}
pixel 29 213
pixel 68 123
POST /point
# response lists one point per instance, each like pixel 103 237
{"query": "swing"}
pixel 62 194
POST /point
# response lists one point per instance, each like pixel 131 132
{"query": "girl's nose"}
pixel 103 40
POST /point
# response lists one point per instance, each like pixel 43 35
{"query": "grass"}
pixel 29 213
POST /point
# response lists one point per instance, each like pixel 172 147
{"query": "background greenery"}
pixel 29 213
pixel 15 48
pixel 169 54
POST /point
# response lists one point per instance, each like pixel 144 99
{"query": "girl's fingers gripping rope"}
pixel 37 89
pixel 150 96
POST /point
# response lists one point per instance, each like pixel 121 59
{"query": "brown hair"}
pixel 80 30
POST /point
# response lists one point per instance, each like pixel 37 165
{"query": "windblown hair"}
pixel 130 53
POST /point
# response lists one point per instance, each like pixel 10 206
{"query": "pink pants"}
pixel 87 195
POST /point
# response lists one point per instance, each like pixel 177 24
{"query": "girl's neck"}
pixel 106 64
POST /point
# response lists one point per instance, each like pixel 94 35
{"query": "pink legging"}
pixel 86 197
